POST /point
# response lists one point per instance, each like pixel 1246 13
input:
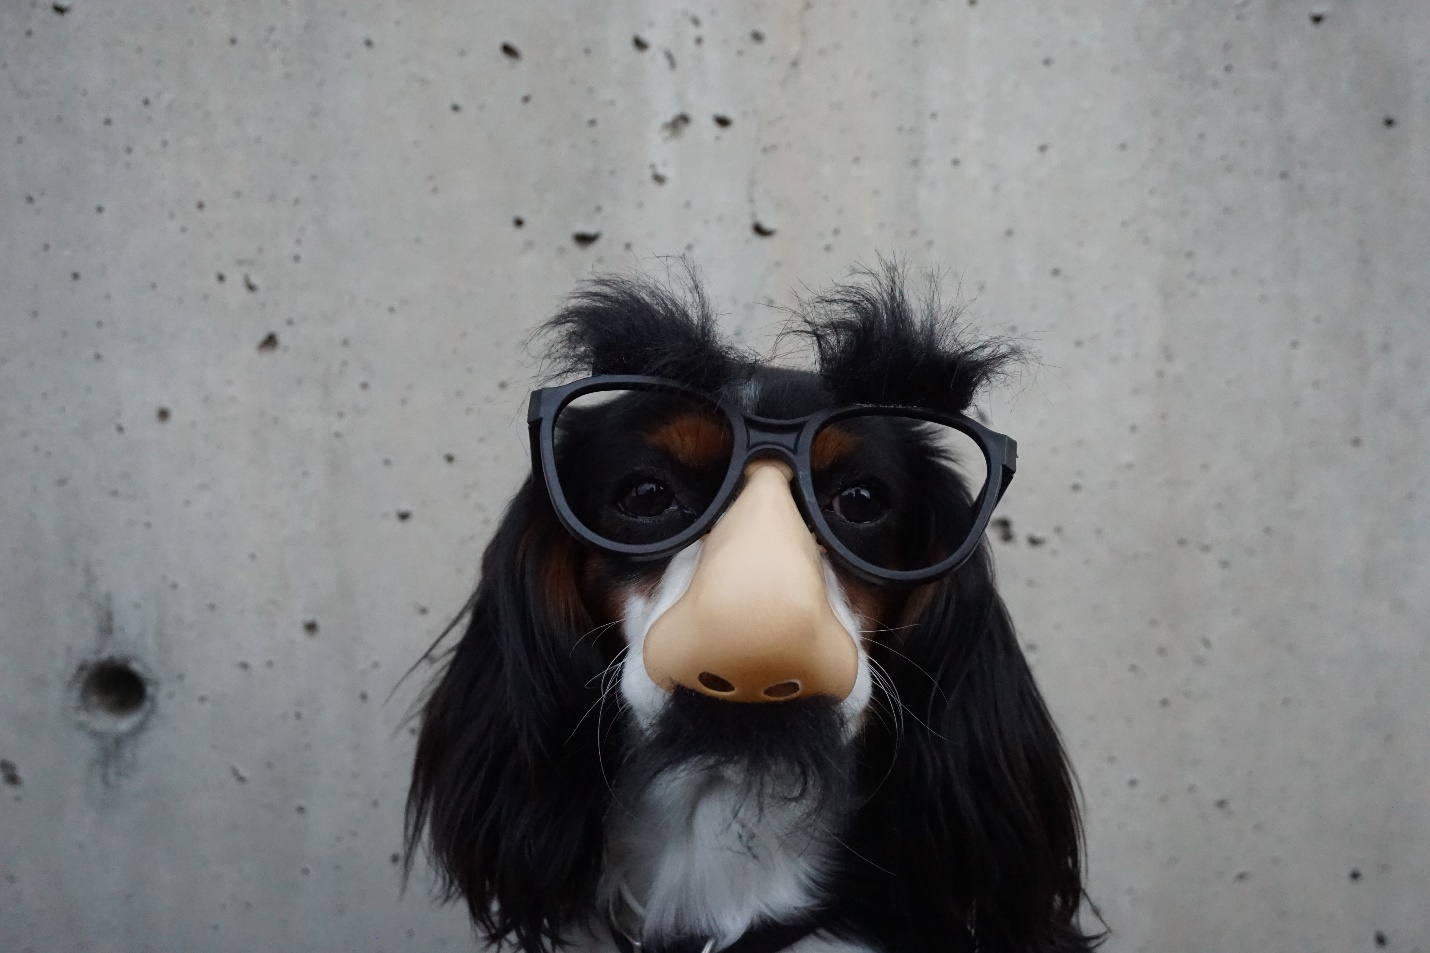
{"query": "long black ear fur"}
pixel 507 777
pixel 974 810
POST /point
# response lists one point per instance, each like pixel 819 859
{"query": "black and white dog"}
pixel 736 675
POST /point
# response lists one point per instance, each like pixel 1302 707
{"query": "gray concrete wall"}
pixel 1211 219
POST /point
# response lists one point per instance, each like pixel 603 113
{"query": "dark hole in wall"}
pixel 675 125
pixel 112 687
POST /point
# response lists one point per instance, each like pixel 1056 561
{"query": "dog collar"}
pixel 768 938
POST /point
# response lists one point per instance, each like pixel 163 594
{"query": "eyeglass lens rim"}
pixel 546 404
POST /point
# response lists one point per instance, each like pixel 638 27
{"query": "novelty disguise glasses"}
pixel 898 495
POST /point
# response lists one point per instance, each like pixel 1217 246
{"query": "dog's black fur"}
pixel 962 809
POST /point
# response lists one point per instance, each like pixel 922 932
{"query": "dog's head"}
pixel 740 584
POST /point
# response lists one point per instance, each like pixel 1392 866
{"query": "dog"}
pixel 736 675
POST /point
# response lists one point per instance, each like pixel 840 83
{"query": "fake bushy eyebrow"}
pixel 873 341
pixel 876 344
pixel 618 325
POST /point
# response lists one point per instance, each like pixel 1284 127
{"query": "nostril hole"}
pixel 782 689
pixel 715 683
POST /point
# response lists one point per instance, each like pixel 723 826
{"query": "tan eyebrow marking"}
pixel 557 568
pixel 830 445
pixel 696 441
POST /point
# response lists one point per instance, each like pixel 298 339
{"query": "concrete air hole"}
pixel 112 688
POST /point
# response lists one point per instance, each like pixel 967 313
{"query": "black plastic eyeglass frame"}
pixel 762 436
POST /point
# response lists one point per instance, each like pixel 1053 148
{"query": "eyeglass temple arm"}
pixel 1009 467
pixel 534 418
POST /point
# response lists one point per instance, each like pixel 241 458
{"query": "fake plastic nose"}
pixel 755 625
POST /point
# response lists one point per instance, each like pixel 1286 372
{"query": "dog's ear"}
pixel 506 786
pixel 973 809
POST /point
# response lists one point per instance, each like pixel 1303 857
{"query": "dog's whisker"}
pixel 895 710
pixel 845 844
pixel 606 670
pixel 890 696
pixel 895 705
pixel 884 688
pixel 604 676
pixel 888 628
pixel 913 714
pixel 597 630
pixel 916 667
pixel 600 736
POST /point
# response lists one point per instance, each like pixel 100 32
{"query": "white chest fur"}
pixel 699 855
pixel 695 852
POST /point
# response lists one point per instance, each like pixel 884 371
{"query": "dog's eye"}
pixel 858 504
pixel 646 499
